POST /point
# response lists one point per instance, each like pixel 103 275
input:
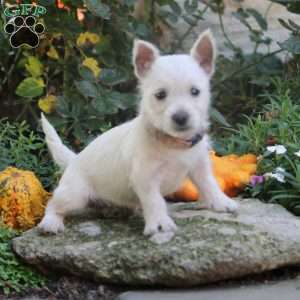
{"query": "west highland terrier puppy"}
pixel 137 163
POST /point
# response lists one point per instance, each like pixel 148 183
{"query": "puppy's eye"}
pixel 161 95
pixel 194 91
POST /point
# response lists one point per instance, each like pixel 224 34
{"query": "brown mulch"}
pixel 68 288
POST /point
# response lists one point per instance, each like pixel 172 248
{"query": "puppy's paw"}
pixel 162 237
pixel 222 203
pixel 52 223
pixel 159 224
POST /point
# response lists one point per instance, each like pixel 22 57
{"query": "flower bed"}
pixel 274 136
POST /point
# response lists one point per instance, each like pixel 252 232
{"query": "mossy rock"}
pixel 208 246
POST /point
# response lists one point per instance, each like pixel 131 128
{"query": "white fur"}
pixel 127 166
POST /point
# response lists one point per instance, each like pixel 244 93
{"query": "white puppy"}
pixel 140 162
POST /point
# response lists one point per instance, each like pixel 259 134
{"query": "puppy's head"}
pixel 175 88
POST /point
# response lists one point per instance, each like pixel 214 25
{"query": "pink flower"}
pixel 256 179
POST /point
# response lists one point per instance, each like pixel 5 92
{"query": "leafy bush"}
pixel 242 76
pixel 273 135
pixel 82 75
pixel 81 72
pixel 25 149
pixel 14 276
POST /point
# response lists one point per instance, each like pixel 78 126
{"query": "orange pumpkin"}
pixel 22 198
pixel 232 173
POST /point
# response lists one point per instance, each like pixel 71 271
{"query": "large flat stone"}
pixel 208 246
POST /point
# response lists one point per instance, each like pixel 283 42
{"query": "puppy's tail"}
pixel 60 153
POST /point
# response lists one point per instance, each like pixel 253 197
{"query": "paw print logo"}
pixel 24 31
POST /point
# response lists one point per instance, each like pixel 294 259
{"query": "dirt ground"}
pixel 68 288
pixel 72 288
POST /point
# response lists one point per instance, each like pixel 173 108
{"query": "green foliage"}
pixel 30 87
pixel 277 124
pixel 14 276
pixel 291 5
pixel 25 149
pixel 292 44
pixel 93 96
pixel 241 77
pixel 37 73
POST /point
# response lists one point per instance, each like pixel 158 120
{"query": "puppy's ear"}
pixel 144 54
pixel 204 52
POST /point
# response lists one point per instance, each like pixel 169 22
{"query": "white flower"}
pixel 297 153
pixel 278 175
pixel 268 175
pixel 279 170
pixel 278 149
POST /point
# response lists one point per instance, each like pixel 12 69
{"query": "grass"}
pixel 25 149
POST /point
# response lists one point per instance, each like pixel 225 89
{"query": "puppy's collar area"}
pixel 176 142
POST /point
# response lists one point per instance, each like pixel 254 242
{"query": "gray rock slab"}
pixel 288 290
pixel 109 247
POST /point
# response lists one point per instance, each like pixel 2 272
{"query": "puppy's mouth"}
pixel 187 143
pixel 182 128
pixel 178 142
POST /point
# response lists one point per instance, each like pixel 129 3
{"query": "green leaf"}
pixel 63 109
pixel 218 117
pixel 295 26
pixel 141 30
pixel 175 8
pixel 113 76
pixel 87 88
pixel 242 16
pixel 105 104
pixel 190 20
pixel 294 7
pixel 86 73
pixel 292 45
pixel 285 24
pixel 119 100
pixel 296 210
pixel 168 15
pixel 30 87
pixel 258 18
pixel 99 9
pixel 190 6
pixel 34 67
pixel 129 2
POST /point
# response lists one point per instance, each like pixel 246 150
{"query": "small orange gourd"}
pixel 22 198
pixel 232 173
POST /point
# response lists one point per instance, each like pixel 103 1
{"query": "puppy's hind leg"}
pixel 71 194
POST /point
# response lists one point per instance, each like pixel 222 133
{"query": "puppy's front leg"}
pixel 202 176
pixel 153 205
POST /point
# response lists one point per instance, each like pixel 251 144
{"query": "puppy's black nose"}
pixel 180 118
